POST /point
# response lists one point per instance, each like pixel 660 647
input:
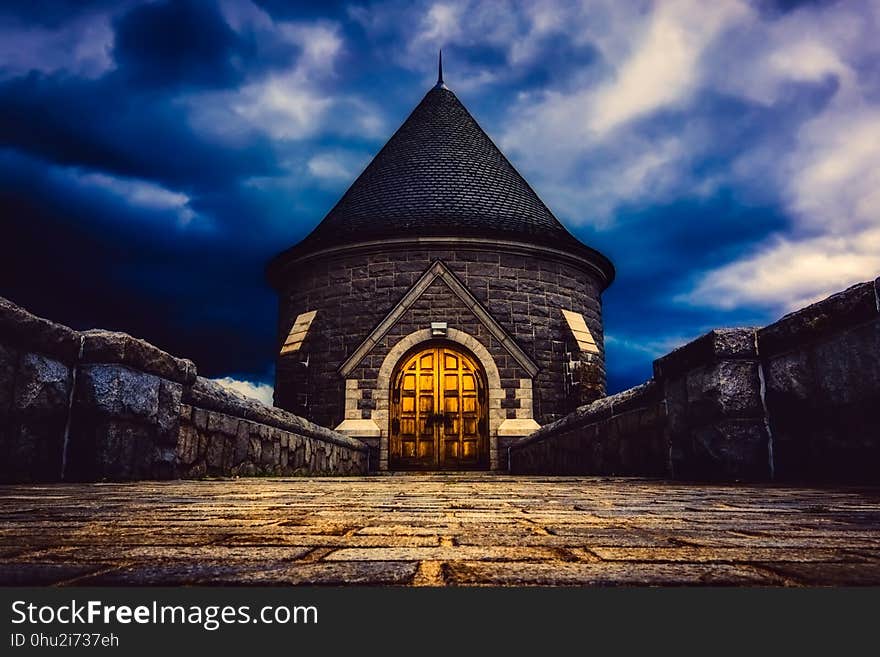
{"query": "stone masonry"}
pixel 353 294
pixel 438 530
pixel 794 401
pixel 98 405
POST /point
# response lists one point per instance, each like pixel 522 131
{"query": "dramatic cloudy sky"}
pixel 154 155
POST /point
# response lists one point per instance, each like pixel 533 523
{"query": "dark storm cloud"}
pixel 154 155
pixel 52 13
pixel 67 255
pixel 181 42
pixel 106 124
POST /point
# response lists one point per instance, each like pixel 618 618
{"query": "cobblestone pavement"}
pixel 435 530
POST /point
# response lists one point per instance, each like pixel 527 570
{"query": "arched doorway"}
pixel 438 410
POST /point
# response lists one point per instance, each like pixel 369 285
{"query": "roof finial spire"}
pixel 440 84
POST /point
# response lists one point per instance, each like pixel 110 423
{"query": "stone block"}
pixel 117 391
pixel 223 423
pixel 847 367
pixel 21 330
pixel 728 344
pixel 242 445
pixel 359 428
pixel 505 283
pixel 168 415
pixel 8 366
pixel 200 418
pixel 188 444
pixel 121 348
pixel 789 376
pixel 33 417
pixel 121 450
pixel 42 385
pixel 725 451
pixel 512 427
pixel 164 464
pixel 214 453
pixel 269 453
pixel 255 448
pixel 33 449
pixel 847 309
pixel 723 390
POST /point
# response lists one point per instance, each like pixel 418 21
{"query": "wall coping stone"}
pixel 517 427
pixel 101 346
pixel 359 428
pixel 851 307
pixel 601 409
pixel 30 332
pixel 208 395
pixel 717 344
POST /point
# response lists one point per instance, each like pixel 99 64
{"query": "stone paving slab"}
pixel 461 529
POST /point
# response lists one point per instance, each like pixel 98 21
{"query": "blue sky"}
pixel 154 155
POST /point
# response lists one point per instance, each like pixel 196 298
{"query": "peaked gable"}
pixel 438 270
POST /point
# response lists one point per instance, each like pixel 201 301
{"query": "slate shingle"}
pixel 439 175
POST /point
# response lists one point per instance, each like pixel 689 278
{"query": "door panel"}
pixel 438 411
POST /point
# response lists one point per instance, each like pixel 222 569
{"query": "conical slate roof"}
pixel 440 175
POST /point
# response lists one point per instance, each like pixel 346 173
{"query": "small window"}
pixel 581 332
pixel 298 332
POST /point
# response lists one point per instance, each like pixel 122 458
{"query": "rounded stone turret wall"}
pixel 524 290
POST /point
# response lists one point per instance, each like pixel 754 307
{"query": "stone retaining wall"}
pixel 96 405
pixel 797 400
pixel 222 433
pixel 821 368
pixel 353 293
pixel 620 434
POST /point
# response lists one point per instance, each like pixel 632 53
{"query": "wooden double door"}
pixel 439 416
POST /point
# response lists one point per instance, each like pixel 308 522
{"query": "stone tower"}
pixel 439 311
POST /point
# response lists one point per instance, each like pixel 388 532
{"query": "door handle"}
pixel 434 418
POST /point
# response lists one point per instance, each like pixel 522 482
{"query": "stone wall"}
pixel 821 369
pixel 716 423
pixel 95 405
pixel 796 401
pixel 620 434
pixel 353 293
pixel 223 433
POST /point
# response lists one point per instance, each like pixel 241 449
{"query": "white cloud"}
pixel 140 193
pixel 654 348
pixel 328 166
pixel 791 273
pixel 663 70
pixel 82 46
pixel 283 106
pixel 835 171
pixel 321 44
pixel 337 165
pixel 588 152
pixel 262 392
pixel 829 181
pixel 831 186
pixel 292 104
pixel 578 144
pixel 440 23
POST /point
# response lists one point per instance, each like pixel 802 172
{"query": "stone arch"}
pixel 493 379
